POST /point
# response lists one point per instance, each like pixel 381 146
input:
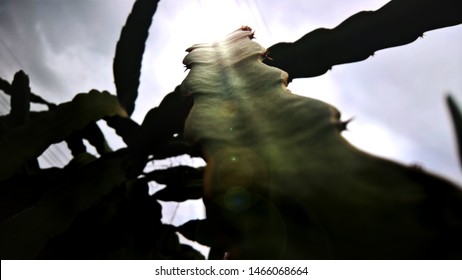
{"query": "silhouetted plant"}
pixel 99 207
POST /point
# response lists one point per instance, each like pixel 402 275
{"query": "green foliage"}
pixel 98 207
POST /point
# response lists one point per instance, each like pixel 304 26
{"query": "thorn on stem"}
pixel 266 55
pixel 342 125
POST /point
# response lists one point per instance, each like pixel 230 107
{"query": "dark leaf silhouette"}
pixel 171 248
pixel 162 122
pixel 177 147
pixel 456 115
pixel 20 109
pixel 124 224
pixel 93 134
pixel 144 223
pixel 75 144
pixel 52 127
pixel 6 88
pixel 179 195
pixel 25 234
pixel 125 127
pixel 129 52
pixel 197 230
pixel 360 36
pixel 183 183
pixel 80 160
pixel 159 127
pixel 187 252
pixel 20 96
pixel 22 191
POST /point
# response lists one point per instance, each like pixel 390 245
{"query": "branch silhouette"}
pixel 361 35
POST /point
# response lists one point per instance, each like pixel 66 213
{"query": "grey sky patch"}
pixel 402 90
pixel 61 43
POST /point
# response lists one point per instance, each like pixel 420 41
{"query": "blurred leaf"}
pixel 75 144
pixel 170 247
pixel 456 115
pixel 197 230
pixel 20 111
pixel 175 148
pixel 80 160
pixel 29 141
pixel 3 124
pixel 6 88
pixel 162 122
pixel 96 233
pixel 22 191
pixel 187 252
pixel 183 183
pixel 179 194
pixel 397 23
pixel 93 134
pixel 129 52
pixel 20 95
pixel 168 240
pixel 124 224
pixel 24 235
pixel 159 127
pixel 178 175
pixel 125 127
pixel 144 221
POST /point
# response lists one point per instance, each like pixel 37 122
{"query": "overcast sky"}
pixel 396 97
